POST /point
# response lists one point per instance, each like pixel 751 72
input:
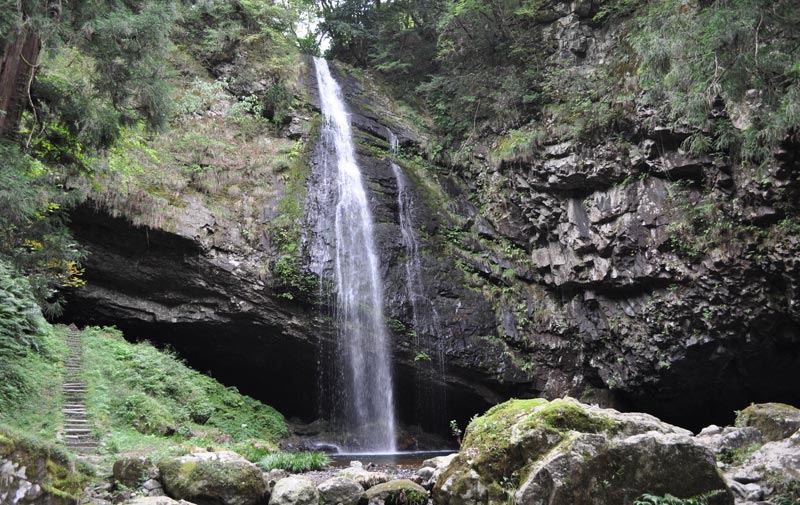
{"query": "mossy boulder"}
pixel 132 471
pixel 775 421
pixel 565 452
pixel 213 478
pixel 294 490
pixel 33 471
pixel 397 492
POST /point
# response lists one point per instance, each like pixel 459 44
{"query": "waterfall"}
pixel 362 348
pixel 431 398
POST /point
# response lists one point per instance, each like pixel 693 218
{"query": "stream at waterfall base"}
pixel 398 465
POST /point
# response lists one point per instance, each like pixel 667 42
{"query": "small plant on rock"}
pixel 668 499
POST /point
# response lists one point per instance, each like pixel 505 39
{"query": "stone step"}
pixel 77 431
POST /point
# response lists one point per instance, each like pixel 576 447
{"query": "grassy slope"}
pixel 147 400
pixel 141 399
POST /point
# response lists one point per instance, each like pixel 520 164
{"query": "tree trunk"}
pixel 16 72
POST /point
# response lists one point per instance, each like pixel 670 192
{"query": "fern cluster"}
pixel 29 356
pixel 668 499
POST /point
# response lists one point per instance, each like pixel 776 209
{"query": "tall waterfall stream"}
pixel 430 394
pixel 362 338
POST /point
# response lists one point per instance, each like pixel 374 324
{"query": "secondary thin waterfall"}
pixel 431 398
pixel 363 340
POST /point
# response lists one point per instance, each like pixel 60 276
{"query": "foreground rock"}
pixel 132 471
pixel 157 500
pixel 36 473
pixel 566 453
pixel 294 490
pixel 431 469
pixel 754 470
pixel 340 491
pixel 397 492
pixel 364 477
pixel 213 478
pixel 775 421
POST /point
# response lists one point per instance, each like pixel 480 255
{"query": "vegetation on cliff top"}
pixel 496 67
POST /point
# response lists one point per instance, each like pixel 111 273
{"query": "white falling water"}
pixel 427 327
pixel 363 341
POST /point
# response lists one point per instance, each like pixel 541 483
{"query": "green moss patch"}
pixel 504 441
pixel 45 463
pixel 775 421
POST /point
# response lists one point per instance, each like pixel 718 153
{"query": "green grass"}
pixel 148 400
pixel 31 360
pixel 295 461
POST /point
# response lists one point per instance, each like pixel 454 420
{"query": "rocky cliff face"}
pixel 624 271
pixel 666 279
pixel 228 302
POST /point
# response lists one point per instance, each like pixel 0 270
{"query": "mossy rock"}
pixel 499 442
pixel 51 475
pixel 213 478
pixel 397 492
pixel 131 471
pixel 775 421
pixel 528 450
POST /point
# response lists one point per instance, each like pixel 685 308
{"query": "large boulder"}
pixel 397 492
pixel 340 491
pixel 213 478
pixel 294 490
pixel 775 421
pixel 567 453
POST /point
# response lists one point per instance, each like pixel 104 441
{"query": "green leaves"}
pixel 742 52
pixel 32 232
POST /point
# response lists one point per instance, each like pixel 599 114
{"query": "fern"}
pixel 668 499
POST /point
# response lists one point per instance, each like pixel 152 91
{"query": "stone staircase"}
pixel 78 429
